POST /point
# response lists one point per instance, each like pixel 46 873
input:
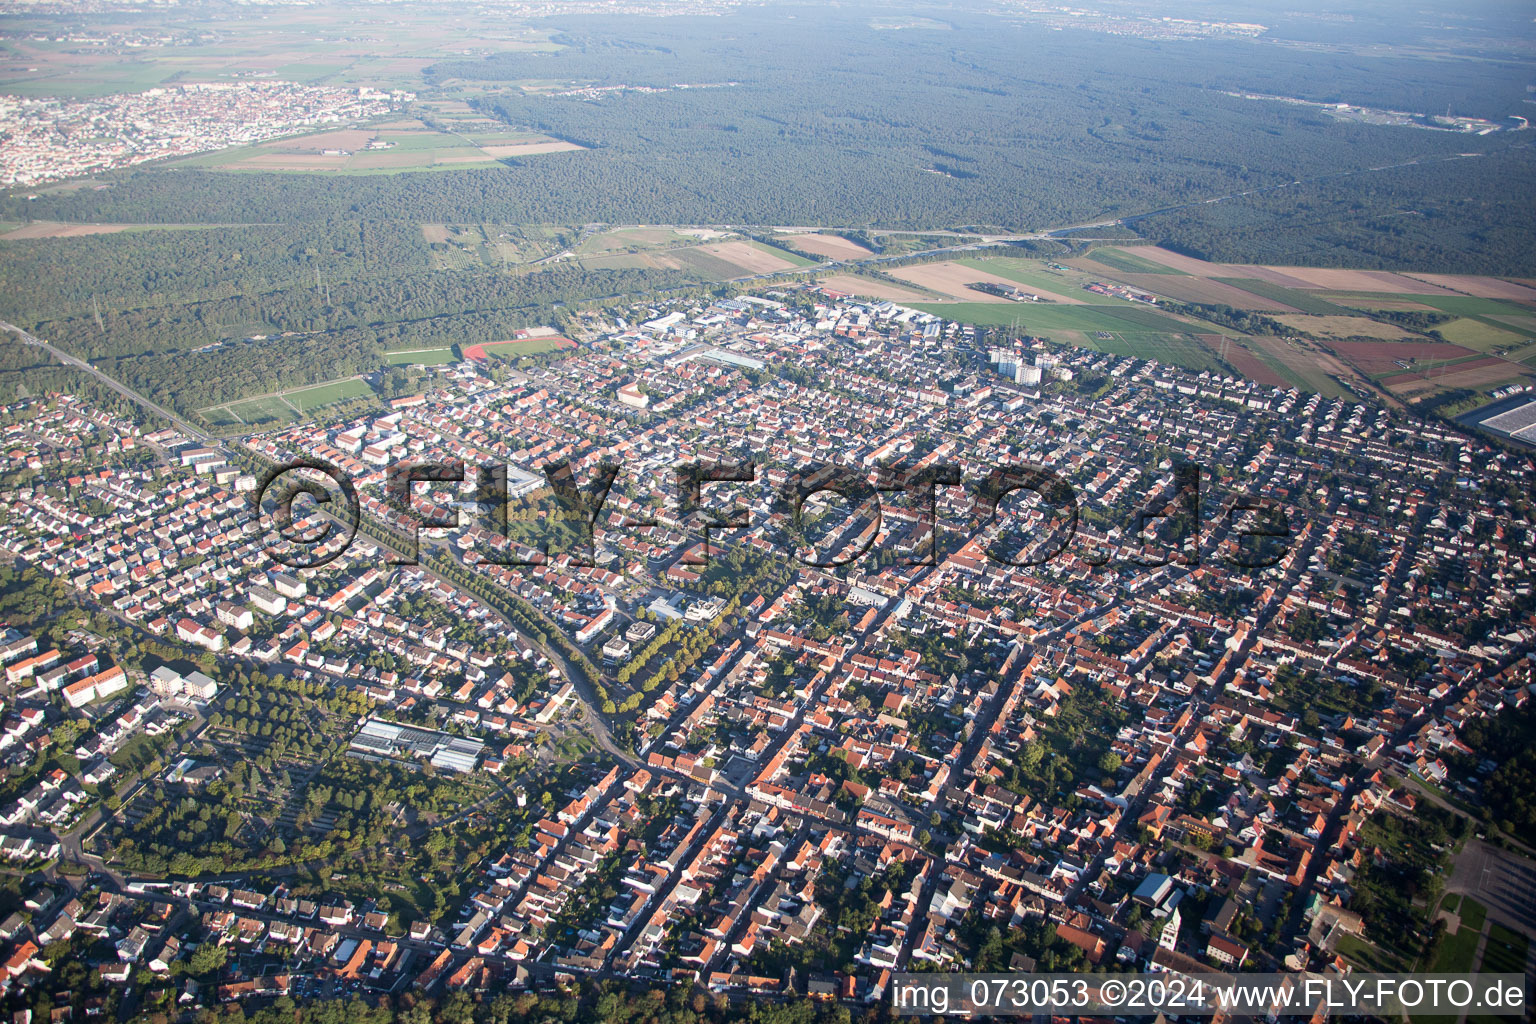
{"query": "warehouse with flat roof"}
pixel 440 749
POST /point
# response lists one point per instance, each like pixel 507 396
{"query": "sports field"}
pixel 420 357
pixel 517 348
pixel 288 406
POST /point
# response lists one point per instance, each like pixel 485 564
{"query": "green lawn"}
pixel 1364 955
pixel 1457 952
pixel 1473 914
pixel 1129 263
pixel 258 410
pixel 1506 951
pixel 288 406
pixel 326 394
pixel 422 357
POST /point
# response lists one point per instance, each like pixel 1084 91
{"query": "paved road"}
pixel 125 391
pixel 1503 881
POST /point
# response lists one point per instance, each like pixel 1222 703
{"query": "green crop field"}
pixel 1467 305
pixel 1130 263
pixel 1169 349
pixel 1477 334
pixel 1043 318
pixel 707 264
pixel 1302 302
pixel 1031 274
pixel 783 254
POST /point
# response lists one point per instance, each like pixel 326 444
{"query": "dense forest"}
pixel 811 116
pixel 198 339
pixel 793 115
pixel 1461 215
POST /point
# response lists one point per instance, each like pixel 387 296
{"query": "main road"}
pixel 122 389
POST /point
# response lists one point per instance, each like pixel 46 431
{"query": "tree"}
pixel 1029 757
pixel 210 956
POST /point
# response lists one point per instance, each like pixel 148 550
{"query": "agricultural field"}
pixel 1130 263
pixel 1374 358
pixel 309 45
pixel 1480 287
pixel 1337 280
pixel 832 246
pixel 1325 304
pixel 955 278
pixel 873 288
pixel 390 147
pixel 1343 327
pixel 1526 325
pixel 1478 374
pixel 1166 259
pixel 633 238
pixel 722 261
pixel 1033 276
pixel 1206 291
pixel 1262 369
pixel 1479 334
pixel 287 406
pixel 1304 366
pixel 1123 330
pixel 1172 349
pixel 1301 301
pixel 1043 318
pixel 1469 305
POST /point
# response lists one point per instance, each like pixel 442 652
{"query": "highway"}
pixel 122 389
